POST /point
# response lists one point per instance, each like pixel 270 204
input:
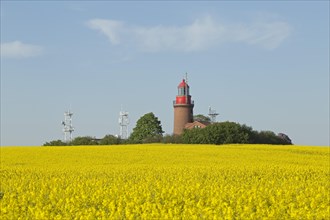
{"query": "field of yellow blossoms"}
pixel 165 182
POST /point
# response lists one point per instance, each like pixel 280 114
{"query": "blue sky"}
pixel 264 64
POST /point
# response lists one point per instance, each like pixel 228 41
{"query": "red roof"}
pixel 183 84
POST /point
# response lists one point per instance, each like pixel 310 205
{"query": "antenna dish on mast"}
pixel 213 114
pixel 123 124
pixel 67 126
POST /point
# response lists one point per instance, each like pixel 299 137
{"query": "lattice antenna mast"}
pixel 67 126
pixel 213 114
pixel 123 124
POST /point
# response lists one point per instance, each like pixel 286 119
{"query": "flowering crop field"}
pixel 165 182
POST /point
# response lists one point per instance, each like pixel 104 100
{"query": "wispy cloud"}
pixel 203 33
pixel 111 28
pixel 268 35
pixel 17 49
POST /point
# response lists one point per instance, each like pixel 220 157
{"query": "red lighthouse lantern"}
pixel 183 96
pixel 183 108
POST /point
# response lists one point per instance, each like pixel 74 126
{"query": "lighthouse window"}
pixel 182 91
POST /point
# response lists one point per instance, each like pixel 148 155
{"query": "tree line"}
pixel 148 129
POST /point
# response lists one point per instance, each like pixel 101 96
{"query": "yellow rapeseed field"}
pixel 165 182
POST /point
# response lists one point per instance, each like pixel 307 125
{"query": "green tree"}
pixel 172 139
pixel 226 133
pixel 194 136
pixel 231 133
pixel 86 140
pixel 148 129
pixel 269 137
pixel 55 143
pixel 202 118
pixel 285 138
pixel 110 140
pixel 218 133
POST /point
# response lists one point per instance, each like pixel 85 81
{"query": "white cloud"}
pixel 201 34
pixel 110 28
pixel 268 35
pixel 17 49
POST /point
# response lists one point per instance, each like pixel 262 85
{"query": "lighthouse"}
pixel 183 108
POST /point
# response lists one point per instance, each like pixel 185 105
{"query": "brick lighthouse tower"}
pixel 183 108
